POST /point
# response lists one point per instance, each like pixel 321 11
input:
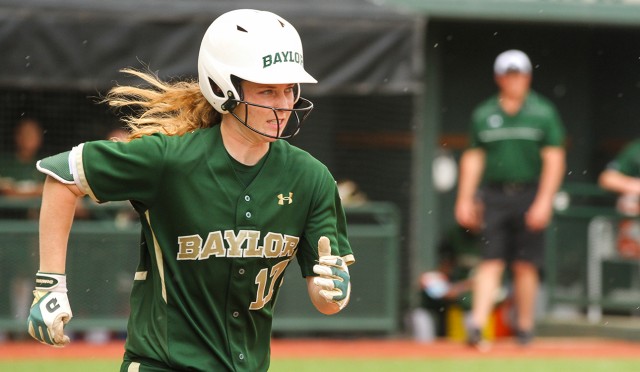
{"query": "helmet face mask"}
pixel 299 113
pixel 256 46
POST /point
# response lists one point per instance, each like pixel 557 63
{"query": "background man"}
pixel 516 147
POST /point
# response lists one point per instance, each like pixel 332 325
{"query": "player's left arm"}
pixel 325 265
pixel 331 289
pixel 553 167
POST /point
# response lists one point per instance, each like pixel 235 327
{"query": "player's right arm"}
pixel 471 168
pixel 50 310
pixel 56 217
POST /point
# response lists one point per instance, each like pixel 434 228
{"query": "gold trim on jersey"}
pixel 349 259
pixel 140 275
pixel 159 259
pixel 77 170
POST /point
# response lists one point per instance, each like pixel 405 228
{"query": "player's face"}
pixel 277 96
pixel 514 84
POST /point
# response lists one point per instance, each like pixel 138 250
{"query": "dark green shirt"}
pixel 628 161
pixel 213 251
pixel 512 143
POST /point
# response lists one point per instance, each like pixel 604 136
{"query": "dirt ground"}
pixel 365 348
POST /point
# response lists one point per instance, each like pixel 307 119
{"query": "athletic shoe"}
pixel 524 337
pixel 476 341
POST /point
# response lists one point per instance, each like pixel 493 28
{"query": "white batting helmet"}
pixel 252 45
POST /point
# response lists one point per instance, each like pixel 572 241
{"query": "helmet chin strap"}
pixel 300 114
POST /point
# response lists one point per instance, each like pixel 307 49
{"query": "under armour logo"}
pixel 282 198
pixel 52 305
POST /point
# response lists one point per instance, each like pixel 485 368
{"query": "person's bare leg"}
pixel 526 282
pixel 486 284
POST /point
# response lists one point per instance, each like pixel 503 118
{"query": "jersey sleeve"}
pixel 110 171
pixel 327 218
pixel 478 119
pixel 58 167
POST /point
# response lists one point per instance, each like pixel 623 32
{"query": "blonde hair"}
pixel 172 108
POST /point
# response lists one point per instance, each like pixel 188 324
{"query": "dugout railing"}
pixel 587 267
pixel 102 258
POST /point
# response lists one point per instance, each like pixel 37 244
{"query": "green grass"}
pixel 368 365
pixel 60 365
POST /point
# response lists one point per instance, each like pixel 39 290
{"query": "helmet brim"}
pixel 281 74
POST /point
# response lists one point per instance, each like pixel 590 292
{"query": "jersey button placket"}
pixel 247 214
pixel 236 317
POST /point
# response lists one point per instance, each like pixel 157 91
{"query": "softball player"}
pixel 225 205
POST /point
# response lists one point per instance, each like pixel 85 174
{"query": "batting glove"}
pixel 333 276
pixel 50 310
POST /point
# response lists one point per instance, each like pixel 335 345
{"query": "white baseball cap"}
pixel 512 61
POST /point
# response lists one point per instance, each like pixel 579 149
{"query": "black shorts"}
pixel 505 235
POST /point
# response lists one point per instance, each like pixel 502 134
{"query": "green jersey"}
pixel 512 144
pixel 628 161
pixel 213 250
